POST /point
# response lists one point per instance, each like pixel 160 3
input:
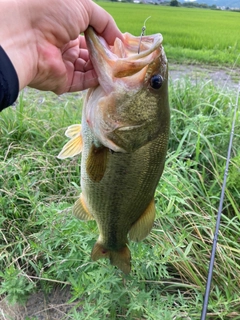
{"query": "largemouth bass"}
pixel 123 138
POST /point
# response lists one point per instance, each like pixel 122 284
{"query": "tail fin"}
pixel 120 258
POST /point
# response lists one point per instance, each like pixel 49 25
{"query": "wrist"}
pixel 17 39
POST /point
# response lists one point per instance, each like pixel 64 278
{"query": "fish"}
pixel 123 141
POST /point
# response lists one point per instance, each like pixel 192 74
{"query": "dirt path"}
pixel 222 77
pixel 54 306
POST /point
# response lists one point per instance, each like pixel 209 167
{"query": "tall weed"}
pixel 190 34
pixel 43 245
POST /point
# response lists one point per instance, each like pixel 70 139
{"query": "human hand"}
pixel 47 51
pixel 65 70
pixel 63 57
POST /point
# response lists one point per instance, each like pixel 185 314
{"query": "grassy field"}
pixel 43 245
pixel 190 35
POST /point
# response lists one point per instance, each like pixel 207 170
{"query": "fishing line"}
pixel 214 246
pixel 142 33
pixel 231 72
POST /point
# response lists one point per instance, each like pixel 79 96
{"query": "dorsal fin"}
pixel 142 227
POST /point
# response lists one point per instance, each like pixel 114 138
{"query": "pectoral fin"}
pixel 80 210
pixel 74 146
pixel 142 227
pixel 97 162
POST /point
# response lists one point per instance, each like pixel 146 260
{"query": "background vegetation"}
pixel 43 245
pixel 190 35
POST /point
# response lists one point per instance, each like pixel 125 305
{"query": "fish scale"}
pixel 123 139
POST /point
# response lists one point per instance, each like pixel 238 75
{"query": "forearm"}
pixel 17 40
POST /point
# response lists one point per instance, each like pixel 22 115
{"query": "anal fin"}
pixel 142 227
pixel 80 210
pixel 97 162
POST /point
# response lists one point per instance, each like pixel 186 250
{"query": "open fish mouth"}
pixel 122 62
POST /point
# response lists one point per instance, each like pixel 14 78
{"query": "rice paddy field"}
pixel 190 35
pixel 44 247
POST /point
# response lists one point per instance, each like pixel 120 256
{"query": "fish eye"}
pixel 156 81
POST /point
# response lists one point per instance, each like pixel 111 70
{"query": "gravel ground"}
pixel 54 306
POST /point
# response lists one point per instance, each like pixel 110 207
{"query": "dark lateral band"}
pixel 9 85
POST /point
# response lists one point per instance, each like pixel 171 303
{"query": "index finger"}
pixel 104 24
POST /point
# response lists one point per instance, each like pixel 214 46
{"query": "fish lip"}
pixel 109 67
pixel 98 49
pixel 94 40
pixel 155 40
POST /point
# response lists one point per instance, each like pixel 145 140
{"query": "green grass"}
pixel 43 245
pixel 190 35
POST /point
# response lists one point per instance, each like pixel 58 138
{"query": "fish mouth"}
pixel 122 62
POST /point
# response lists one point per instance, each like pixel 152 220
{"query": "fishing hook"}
pixel 142 33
